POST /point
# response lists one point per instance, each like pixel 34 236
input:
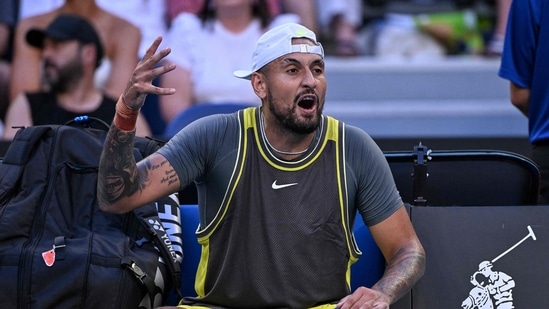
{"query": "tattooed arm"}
pixel 122 183
pixel 405 257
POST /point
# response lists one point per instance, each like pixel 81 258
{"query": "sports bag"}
pixel 58 249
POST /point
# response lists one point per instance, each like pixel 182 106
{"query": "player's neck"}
pixel 284 142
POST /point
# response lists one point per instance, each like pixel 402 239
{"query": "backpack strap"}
pixel 18 153
pixel 146 283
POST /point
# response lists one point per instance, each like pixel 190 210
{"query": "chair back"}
pixel 466 178
pixel 198 111
pixel 456 178
pixel 191 248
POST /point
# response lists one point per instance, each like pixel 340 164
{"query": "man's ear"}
pixel 89 54
pixel 258 83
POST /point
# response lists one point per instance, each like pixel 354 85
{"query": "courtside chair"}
pixel 198 111
pixel 465 177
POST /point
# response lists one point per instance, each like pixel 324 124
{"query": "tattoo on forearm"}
pixel 118 172
pixel 401 274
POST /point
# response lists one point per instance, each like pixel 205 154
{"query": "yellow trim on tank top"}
pixel 250 122
pixel 204 240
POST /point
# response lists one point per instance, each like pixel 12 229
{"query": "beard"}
pixel 64 76
pixel 289 120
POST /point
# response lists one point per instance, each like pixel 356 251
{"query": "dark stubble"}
pixel 288 119
pixel 67 75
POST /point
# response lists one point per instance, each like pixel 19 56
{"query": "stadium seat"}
pixel 198 111
pixel 465 177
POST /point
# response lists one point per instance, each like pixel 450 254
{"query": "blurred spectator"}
pixel 524 64
pixel 148 15
pixel 209 47
pixel 431 28
pixel 425 29
pixel 495 46
pixel 305 9
pixel 175 7
pixel 120 38
pixel 397 36
pixel 8 20
pixel 71 50
pixel 28 8
pixel 457 31
pixel 339 22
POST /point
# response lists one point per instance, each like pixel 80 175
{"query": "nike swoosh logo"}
pixel 276 186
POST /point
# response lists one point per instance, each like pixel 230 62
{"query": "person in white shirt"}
pixel 207 48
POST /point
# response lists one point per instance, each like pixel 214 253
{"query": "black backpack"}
pixel 58 249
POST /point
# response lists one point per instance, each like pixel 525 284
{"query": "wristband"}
pixel 125 118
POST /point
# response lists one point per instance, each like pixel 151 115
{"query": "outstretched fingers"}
pixel 151 50
pixel 152 56
pixel 148 69
pixel 151 74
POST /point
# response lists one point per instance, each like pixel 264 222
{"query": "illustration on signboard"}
pixel 493 289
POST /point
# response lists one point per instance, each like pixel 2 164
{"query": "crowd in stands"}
pixel 210 38
pixel 71 50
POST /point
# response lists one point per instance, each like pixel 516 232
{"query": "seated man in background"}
pixel 120 40
pixel 71 52
pixel 8 20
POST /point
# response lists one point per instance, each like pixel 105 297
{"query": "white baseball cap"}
pixel 277 42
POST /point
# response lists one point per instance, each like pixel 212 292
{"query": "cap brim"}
pixel 244 74
pixel 35 37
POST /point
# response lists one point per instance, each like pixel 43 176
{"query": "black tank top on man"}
pixel 45 110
